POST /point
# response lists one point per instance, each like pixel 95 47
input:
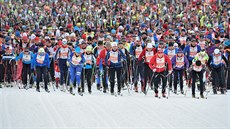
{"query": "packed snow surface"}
pixel 28 109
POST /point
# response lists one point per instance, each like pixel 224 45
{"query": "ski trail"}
pixel 46 110
pixel 96 113
pixel 6 115
pixel 143 110
pixel 55 114
pixel 104 115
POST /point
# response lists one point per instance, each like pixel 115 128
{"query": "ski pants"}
pixel 138 71
pixel 75 73
pixel 63 70
pixel 112 72
pixel 194 76
pixel 103 73
pixel 218 77
pixel 147 75
pixel 1 73
pixel 158 76
pixel 8 71
pixel 86 74
pixel 178 73
pixel 26 70
pixel 41 71
pixel 51 70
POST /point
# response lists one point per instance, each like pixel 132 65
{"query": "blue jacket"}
pixel 119 63
pixel 35 62
pixel 187 51
pixel 24 60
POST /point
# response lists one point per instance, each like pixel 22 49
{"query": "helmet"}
pixel 89 48
pixel 216 51
pixel 41 50
pixel 64 41
pixel 78 50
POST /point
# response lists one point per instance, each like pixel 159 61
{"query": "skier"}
pixel 147 54
pixel 170 51
pixel 96 51
pixel 197 69
pixel 76 62
pixel 216 65
pixel 62 54
pixel 89 66
pixel 27 57
pixel 126 64
pixel 101 60
pixel 191 50
pixel 180 64
pixel 113 60
pixel 135 50
pixel 40 62
pixel 157 64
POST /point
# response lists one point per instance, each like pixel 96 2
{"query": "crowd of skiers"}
pixel 115 44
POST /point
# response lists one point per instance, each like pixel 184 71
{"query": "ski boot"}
pixel 222 91
pixel 47 90
pixel 202 96
pixel 37 89
pixel 214 91
pixel 182 92
pixel 98 87
pixel 164 95
pixel 136 89
pixel 156 95
pixel 193 96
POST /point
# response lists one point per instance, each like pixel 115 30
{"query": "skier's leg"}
pixel 112 79
pixel 39 76
pixel 104 77
pixel 175 80
pixel 200 74
pixel 89 75
pixel 194 75
pixel 45 75
pixel 83 80
pixel 62 72
pixel 24 74
pixel 156 82
pixel 181 80
pixel 118 71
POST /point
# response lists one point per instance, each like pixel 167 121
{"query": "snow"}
pixel 27 109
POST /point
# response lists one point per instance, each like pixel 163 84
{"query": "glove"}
pixel 154 70
pixel 170 71
pixel 67 63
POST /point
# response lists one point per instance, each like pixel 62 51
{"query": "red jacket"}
pixel 102 56
pixel 160 63
pixel 143 54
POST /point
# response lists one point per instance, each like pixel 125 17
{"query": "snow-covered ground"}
pixel 27 109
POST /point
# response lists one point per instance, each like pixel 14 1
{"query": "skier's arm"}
pixel 107 62
pixel 48 61
pixel 141 55
pixel 186 62
pixel 152 63
pixel 19 56
pixel 225 60
pixel 169 63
